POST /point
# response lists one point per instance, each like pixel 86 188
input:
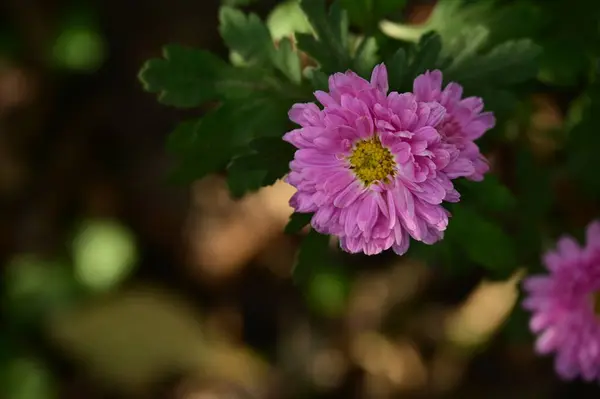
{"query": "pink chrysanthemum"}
pixel 372 166
pixel 464 122
pixel 565 306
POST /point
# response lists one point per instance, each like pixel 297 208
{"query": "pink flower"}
pixel 464 122
pixel 565 306
pixel 372 166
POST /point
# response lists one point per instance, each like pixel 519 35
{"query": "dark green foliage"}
pixel 500 51
pixel 267 162
pixel 297 222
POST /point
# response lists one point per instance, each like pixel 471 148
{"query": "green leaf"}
pixel 268 162
pixel 287 19
pixel 286 59
pixel 489 194
pixel 426 55
pixel 297 222
pixel 397 68
pixel 328 291
pixel 189 77
pixel 184 136
pixel 453 18
pixel 318 79
pixel 314 255
pixel 330 47
pixel 206 145
pixel 246 35
pixel 483 241
pixel 241 180
pixel 366 57
pixel 506 64
pixel 466 44
pixel 367 13
pixel 564 61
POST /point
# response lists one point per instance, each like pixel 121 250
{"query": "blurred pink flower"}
pixel 565 306
pixel 373 166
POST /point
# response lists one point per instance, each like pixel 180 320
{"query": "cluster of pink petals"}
pixel 563 306
pixel 430 134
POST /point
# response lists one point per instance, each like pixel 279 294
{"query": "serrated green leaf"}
pixel 297 222
pixel 452 18
pixel 184 78
pixel 483 241
pixel 268 162
pixel 314 255
pixel 205 146
pixel 245 34
pixel 189 77
pixel 330 48
pixel 286 59
pixel 465 44
pixel 506 64
pixel 427 54
pixel 397 68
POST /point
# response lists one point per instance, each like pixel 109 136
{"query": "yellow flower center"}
pixel 371 161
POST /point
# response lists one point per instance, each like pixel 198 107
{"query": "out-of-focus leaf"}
pixel 366 57
pixel 286 59
pixel 508 63
pixel 318 79
pixel 503 21
pixel 80 48
pixel 237 3
pixel 489 194
pixel 328 291
pixel 516 327
pixel 104 254
pixel 330 46
pixel 397 69
pixel 155 328
pixel 27 378
pixel 427 53
pixel 286 19
pixel 583 143
pixel 404 65
pixel 564 61
pixel 465 44
pixel 367 13
pixel 35 288
pixel 268 162
pixel 314 255
pixel 483 241
pixel 297 222
pixel 246 35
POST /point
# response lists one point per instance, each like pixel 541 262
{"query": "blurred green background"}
pixel 118 284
